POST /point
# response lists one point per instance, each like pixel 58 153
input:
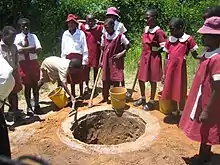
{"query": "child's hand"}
pixel 203 116
pixel 117 56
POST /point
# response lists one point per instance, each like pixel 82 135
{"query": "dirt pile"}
pixel 108 128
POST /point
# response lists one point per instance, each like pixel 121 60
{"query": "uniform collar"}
pixel 184 38
pixel 111 37
pixel 6 46
pixel 153 30
pixel 76 32
pixel 25 34
pixel 88 28
pixel 212 53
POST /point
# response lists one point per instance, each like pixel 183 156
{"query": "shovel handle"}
pixel 95 84
pixel 135 81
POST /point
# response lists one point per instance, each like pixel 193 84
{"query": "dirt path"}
pixel 40 138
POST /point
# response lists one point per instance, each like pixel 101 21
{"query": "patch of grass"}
pixel 133 55
pixel 131 59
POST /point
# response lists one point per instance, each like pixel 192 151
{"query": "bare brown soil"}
pixel 39 137
pixel 108 128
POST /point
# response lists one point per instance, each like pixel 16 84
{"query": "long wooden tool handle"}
pixel 135 81
pixel 93 89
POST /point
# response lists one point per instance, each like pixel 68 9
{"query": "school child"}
pixel 177 47
pixel 9 51
pixel 93 34
pixel 200 120
pixel 150 65
pixel 7 83
pixel 29 48
pixel 56 69
pixel 112 57
pixel 74 45
pixel 113 13
pixel 211 11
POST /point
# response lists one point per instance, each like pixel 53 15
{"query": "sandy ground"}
pixel 38 136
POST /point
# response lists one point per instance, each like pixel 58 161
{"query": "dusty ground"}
pixel 38 136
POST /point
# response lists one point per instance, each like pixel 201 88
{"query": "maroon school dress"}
pixel 82 75
pixel 113 69
pixel 150 68
pixel 93 38
pixel 198 99
pixel 175 83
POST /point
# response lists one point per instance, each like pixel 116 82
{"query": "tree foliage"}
pixel 48 16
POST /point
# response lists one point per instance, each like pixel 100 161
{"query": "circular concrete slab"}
pixel 152 128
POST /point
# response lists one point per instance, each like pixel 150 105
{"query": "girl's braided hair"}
pixel 20 160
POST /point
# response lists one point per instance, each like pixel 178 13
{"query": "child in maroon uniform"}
pixel 201 116
pixel 177 48
pixel 113 13
pixel 93 37
pixel 112 57
pixel 29 48
pixel 150 65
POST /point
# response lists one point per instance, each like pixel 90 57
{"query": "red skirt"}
pixel 82 75
pixel 29 72
pixel 150 68
pixel 94 55
pixel 175 83
pixel 18 86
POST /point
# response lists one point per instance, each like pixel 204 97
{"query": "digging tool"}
pixel 73 110
pixel 129 95
pixel 94 87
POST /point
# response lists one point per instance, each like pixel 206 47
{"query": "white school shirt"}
pixel 74 43
pixel 7 81
pixel 124 40
pixel 33 41
pixel 119 27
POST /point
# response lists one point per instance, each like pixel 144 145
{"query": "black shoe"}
pixel 139 102
pixel 146 107
pixel 30 112
pixel 149 105
pixel 128 95
pixel 37 110
pixel 9 116
pixel 19 116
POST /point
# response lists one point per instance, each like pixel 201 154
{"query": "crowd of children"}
pixel 93 44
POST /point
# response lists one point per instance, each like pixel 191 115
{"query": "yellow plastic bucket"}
pixel 167 106
pixel 58 96
pixel 118 97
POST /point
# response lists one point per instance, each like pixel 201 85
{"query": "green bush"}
pixel 48 19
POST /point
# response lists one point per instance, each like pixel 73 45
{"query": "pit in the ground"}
pixel 108 128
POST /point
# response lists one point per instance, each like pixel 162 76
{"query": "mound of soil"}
pixel 108 128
